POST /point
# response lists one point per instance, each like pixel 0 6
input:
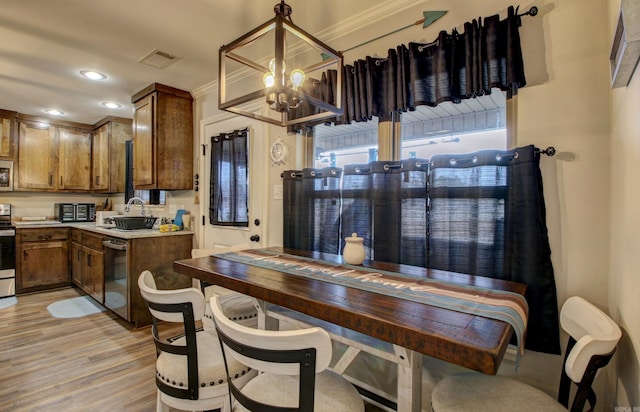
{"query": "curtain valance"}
pixel 454 67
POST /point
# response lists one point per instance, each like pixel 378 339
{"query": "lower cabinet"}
pixel 42 259
pixel 87 263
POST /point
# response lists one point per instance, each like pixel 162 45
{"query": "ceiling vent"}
pixel 158 59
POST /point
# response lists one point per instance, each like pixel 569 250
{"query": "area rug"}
pixel 74 307
pixel 6 302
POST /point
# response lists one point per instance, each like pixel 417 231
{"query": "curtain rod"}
pixel 532 12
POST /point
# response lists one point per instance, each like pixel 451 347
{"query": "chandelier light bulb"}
pixel 297 77
pixel 268 79
pixel 272 66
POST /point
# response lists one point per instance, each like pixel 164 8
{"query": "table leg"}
pixel 409 380
pixel 265 321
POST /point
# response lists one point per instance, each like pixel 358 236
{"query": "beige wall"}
pixel 624 300
pixel 588 185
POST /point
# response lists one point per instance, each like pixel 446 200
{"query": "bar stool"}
pixel 593 337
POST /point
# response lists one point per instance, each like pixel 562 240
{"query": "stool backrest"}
pixel 183 306
pixel 593 337
pixel 302 352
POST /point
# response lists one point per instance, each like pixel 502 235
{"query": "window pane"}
pixel 469 126
pixel 336 146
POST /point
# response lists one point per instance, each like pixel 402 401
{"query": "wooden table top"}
pixel 467 340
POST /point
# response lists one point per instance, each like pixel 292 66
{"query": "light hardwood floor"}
pixel 93 363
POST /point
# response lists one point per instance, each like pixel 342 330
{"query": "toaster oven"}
pixel 75 212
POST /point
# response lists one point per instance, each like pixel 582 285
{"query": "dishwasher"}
pixel 116 285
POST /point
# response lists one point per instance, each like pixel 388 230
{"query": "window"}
pixel 466 127
pixel 229 202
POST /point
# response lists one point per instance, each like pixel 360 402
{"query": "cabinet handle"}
pixel 89 260
pixel 78 256
pixel 60 181
pixel 50 179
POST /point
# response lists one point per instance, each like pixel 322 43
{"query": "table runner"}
pixel 502 305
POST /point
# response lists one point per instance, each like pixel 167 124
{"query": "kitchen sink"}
pixel 134 222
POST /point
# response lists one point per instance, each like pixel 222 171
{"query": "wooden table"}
pixel 467 340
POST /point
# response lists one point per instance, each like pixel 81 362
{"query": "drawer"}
pixel 39 235
pixel 76 235
pixel 92 240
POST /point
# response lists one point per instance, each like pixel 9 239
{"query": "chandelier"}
pixel 264 73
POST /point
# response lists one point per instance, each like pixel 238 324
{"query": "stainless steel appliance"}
pixel 116 287
pixel 75 212
pixel 6 176
pixel 7 253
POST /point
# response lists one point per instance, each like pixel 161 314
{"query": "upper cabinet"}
pixel 162 138
pixel 8 132
pixel 53 158
pixel 38 157
pixel 74 159
pixel 108 154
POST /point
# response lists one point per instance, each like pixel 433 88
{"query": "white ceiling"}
pixel 45 43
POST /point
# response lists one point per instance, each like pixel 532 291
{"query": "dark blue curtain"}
pixel 487 217
pixel 481 213
pixel 312 210
pixel 228 198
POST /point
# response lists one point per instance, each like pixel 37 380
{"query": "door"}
pixel 254 235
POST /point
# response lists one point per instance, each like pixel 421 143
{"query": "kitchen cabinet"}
pixel 42 260
pixel 87 263
pixel 37 156
pixel 162 138
pixel 53 157
pixel 156 254
pixel 108 154
pixel 74 160
pixel 8 132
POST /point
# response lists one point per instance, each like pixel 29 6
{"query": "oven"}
pixel 7 253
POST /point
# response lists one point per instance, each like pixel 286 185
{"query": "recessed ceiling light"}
pixel 54 112
pixel 111 105
pixel 93 75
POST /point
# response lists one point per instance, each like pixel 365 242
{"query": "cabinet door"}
pixel 44 264
pixel 119 134
pixel 37 156
pixel 100 155
pixel 144 156
pixel 94 274
pixel 6 138
pixel 74 160
pixel 77 264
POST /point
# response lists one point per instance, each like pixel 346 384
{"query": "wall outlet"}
pixel 277 192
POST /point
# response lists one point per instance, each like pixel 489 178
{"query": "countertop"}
pixel 91 226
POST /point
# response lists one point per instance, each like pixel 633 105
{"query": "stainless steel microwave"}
pixel 6 176
pixel 75 212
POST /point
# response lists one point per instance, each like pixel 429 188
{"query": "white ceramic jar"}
pixel 353 252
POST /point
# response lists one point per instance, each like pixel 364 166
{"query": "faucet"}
pixel 131 201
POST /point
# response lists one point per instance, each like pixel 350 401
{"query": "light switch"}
pixel 277 192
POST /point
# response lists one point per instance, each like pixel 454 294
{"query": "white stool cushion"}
pixel 333 392
pixel 172 369
pixel 476 392
pixel 237 307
